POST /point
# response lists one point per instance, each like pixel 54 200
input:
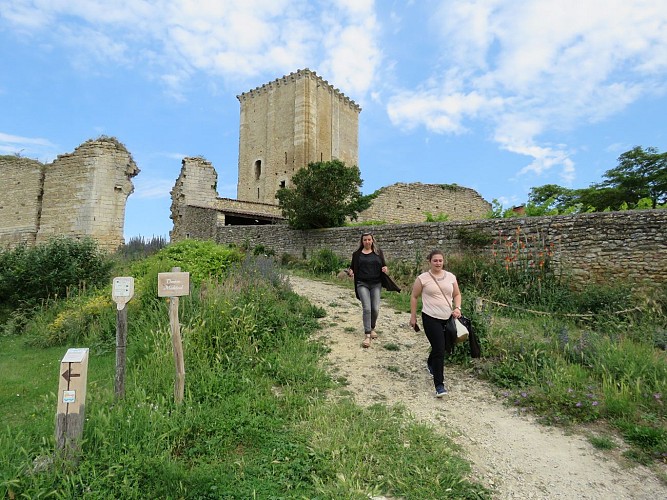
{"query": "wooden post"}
pixel 121 355
pixel 173 285
pixel 70 416
pixel 121 292
pixel 179 381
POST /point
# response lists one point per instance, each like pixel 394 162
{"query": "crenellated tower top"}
pixel 293 77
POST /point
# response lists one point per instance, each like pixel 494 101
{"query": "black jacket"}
pixel 387 282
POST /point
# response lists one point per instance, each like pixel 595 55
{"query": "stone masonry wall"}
pixel 85 193
pixel 401 203
pixel 82 194
pixel 287 123
pixel 21 202
pixel 627 247
pixel 196 186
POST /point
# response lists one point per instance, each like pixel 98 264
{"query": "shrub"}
pixel 325 261
pixel 60 267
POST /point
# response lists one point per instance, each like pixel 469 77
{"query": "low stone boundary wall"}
pixel 628 247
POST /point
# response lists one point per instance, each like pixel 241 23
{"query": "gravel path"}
pixel 511 454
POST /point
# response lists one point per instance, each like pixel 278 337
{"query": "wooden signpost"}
pixel 121 293
pixel 173 285
pixel 71 401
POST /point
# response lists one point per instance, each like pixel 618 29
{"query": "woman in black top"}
pixel 368 267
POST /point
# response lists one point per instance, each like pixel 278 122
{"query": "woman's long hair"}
pixel 361 243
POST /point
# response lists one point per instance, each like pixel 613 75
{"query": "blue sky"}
pixel 496 95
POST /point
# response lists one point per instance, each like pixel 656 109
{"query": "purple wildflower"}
pixel 524 394
pixel 595 403
pixel 578 405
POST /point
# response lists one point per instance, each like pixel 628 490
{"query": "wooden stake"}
pixel 179 380
pixel 121 356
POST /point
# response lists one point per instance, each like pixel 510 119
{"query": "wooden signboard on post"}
pixel 71 400
pixel 121 293
pixel 174 285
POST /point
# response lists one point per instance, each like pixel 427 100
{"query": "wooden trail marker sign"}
pixel 121 293
pixel 174 285
pixel 71 400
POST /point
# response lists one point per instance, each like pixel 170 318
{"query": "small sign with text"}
pixel 173 284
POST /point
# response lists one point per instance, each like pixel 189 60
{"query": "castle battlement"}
pixel 293 77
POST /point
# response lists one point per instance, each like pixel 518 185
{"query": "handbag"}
pixel 453 326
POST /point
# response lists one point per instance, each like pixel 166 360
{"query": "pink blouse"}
pixel 433 302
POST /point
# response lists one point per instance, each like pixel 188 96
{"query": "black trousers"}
pixel 434 329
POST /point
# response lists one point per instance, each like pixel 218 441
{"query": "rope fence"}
pixel 479 306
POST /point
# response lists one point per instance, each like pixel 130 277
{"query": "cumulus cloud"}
pixel 535 66
pixel 173 40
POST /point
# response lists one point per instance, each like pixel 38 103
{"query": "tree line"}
pixel 326 194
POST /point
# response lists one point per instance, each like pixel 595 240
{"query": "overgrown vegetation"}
pixel 596 354
pixel 59 268
pixel 255 422
pixel 440 217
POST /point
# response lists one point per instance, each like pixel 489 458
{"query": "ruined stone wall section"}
pixel 402 203
pixel 85 193
pixel 20 201
pixel 611 247
pixel 288 123
pixel 196 186
pixel 247 207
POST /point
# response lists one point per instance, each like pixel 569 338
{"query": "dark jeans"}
pixel 434 329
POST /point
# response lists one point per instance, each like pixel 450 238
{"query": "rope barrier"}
pixel 546 313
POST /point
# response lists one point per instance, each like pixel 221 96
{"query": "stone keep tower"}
pixel 287 124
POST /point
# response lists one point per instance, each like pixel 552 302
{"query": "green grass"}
pixel 256 421
pixel 602 442
pixel 594 366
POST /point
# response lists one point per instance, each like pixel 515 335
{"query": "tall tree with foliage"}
pixel 324 195
pixel 641 173
pixel 639 181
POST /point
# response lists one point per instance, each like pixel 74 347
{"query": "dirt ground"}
pixel 511 454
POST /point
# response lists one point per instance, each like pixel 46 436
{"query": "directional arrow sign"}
pixel 67 375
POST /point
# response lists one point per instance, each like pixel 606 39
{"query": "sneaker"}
pixel 440 391
pixel 429 368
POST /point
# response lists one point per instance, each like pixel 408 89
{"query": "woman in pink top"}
pixel 441 298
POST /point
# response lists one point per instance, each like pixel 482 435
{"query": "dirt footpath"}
pixel 511 454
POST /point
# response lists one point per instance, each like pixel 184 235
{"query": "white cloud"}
pixel 171 40
pixel 19 141
pixel 352 54
pixel 531 67
pixel 145 188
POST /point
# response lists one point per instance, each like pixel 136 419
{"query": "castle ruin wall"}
pixel 81 194
pixel 21 203
pixel 402 203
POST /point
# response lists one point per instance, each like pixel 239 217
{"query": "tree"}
pixel 641 173
pixel 324 195
pixel 639 181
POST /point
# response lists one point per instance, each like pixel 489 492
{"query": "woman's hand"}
pixel 456 313
pixel 384 269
